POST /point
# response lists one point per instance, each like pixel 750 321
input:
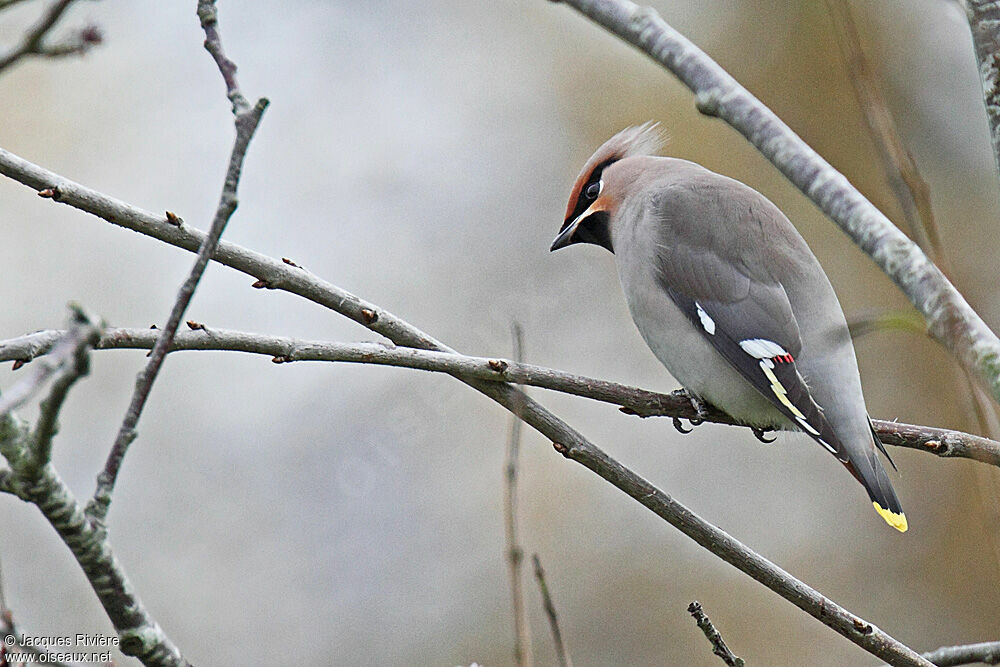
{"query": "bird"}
pixel 730 299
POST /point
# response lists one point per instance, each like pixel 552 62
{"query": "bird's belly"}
pixel 693 361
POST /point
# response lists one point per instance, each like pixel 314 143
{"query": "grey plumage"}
pixel 729 298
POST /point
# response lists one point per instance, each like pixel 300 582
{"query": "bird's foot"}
pixel 760 432
pixel 700 410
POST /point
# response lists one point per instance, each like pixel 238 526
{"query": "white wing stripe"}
pixel 761 348
pixel 707 322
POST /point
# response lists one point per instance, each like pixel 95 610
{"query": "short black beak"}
pixel 565 237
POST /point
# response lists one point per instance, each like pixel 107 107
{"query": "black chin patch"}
pixel 596 229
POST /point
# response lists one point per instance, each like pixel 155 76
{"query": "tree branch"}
pixel 287 276
pixel 987 653
pixel 246 119
pixel 719 647
pixel 33 478
pixel 514 552
pixel 950 319
pixel 984 22
pixel 34 44
pixel 942 442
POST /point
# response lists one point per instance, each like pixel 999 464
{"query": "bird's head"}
pixel 598 190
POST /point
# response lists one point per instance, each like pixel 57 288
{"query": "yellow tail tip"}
pixel 897 521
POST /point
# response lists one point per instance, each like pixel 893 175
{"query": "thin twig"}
pixel 64 351
pixel 34 44
pixel 246 120
pixel 515 554
pixel 208 14
pixel 40 444
pixel 276 274
pixel 562 653
pixel 942 442
pixel 719 647
pixel 900 168
pixel 951 320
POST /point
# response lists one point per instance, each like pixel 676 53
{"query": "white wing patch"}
pixel 761 348
pixel 706 322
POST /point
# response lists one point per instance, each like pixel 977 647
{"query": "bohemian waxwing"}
pixel 729 298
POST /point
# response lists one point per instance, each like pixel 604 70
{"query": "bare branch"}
pixel 987 653
pixel 942 442
pixel 246 119
pixel 515 554
pixel 950 319
pixel 275 274
pixel 208 14
pixel 984 22
pixel 33 478
pixel 34 44
pixel 719 647
pixel 562 653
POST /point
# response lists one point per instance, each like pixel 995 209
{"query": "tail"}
pixel 868 470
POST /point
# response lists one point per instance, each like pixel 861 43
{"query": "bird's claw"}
pixel 699 408
pixel 759 434
pixel 680 427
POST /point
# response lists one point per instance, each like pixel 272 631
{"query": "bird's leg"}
pixel 759 434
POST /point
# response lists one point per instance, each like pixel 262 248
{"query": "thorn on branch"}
pixel 936 446
pixel 862 627
pixel 707 103
pixel 369 316
pixel 91 35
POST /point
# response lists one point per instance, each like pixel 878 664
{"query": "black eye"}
pixel 592 190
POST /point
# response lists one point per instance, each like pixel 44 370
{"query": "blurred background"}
pixel 420 155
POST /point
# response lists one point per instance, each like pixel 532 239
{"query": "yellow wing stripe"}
pixel 780 391
pixel 897 521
